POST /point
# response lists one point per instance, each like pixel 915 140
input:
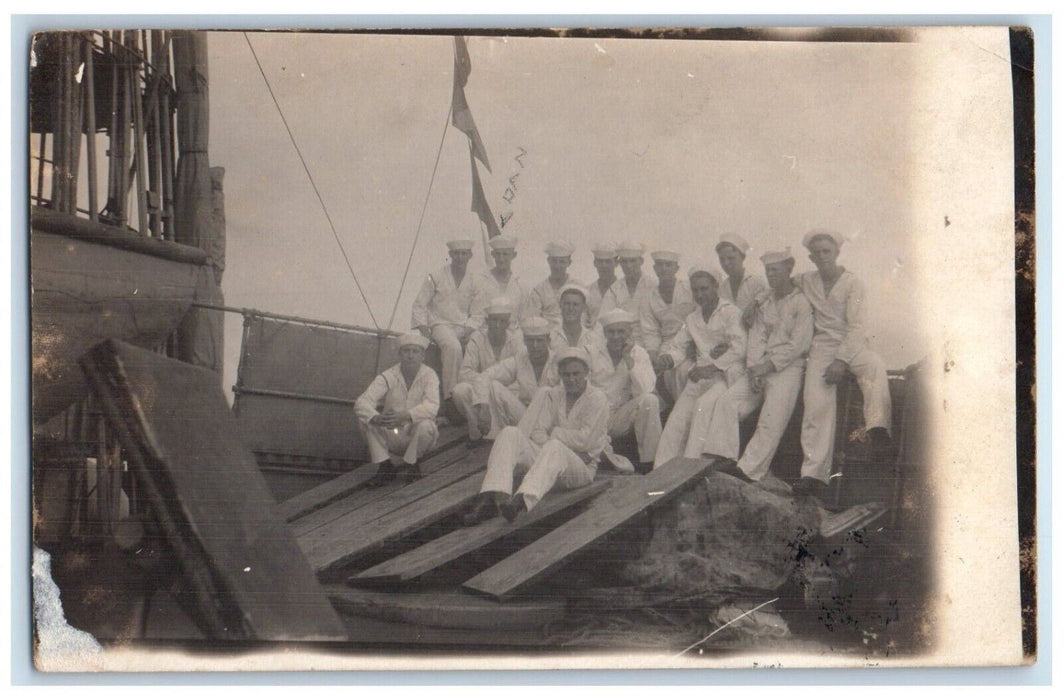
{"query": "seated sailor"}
pixel 605 263
pixel 624 372
pixel 486 347
pixel 544 298
pixel 629 292
pixel 661 316
pixel 775 364
pixel 716 329
pixel 558 442
pixel 572 332
pixel 501 281
pixel 510 385
pixel 445 311
pixel 740 288
pixel 397 413
pixel 839 346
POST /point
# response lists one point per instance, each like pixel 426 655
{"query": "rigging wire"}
pixel 314 185
pixel 420 221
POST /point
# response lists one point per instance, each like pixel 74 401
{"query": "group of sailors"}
pixel 553 374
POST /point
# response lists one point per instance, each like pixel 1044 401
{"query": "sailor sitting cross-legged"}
pixel 839 345
pixel 501 281
pixel 572 332
pixel 511 384
pixel 740 288
pixel 605 263
pixel 445 311
pixel 661 315
pixel 716 329
pixel 624 372
pixel 558 443
pixel 486 347
pixel 775 362
pixel 397 413
pixel 543 300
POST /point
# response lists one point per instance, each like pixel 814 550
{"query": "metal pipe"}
pixel 379 332
pixel 291 395
pixel 90 129
pixel 166 125
pixel 138 144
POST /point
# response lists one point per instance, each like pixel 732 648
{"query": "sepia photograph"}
pixel 532 348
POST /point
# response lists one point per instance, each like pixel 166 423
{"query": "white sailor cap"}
pixel 614 316
pixel 460 244
pixel 559 249
pixel 536 325
pixel 735 240
pixel 704 268
pixel 777 256
pixel 413 338
pixel 573 353
pixel 500 306
pixel 573 288
pixel 665 255
pixel 630 249
pixel 604 252
pixel 816 233
pixel 503 242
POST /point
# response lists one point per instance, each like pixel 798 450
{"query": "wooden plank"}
pixel 204 489
pixel 624 501
pixel 362 497
pixel 335 489
pixel 439 552
pixel 854 518
pixel 446 609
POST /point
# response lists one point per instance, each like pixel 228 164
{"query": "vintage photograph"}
pixel 530 349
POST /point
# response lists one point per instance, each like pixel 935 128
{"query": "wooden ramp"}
pixel 439 552
pixel 618 505
pixel 246 573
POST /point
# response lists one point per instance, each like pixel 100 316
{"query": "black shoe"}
pixel 881 445
pixel 643 467
pixel 514 507
pixel 730 467
pixel 409 473
pixel 483 509
pixel 807 487
pixel 385 474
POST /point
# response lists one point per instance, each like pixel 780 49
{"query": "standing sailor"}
pixel 444 310
pixel 572 332
pixel 605 263
pixel 543 299
pixel 500 281
pixel 624 372
pixel 661 316
pixel 839 345
pixel 558 442
pixel 775 362
pixel 628 293
pixel 486 347
pixel 740 288
pixel 717 332
pixel 510 385
pixel 397 413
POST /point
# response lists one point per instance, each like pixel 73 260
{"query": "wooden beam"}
pixel 47 220
pixel 620 504
pixel 454 545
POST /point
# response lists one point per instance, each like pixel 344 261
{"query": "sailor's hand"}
pixel 387 418
pixel 719 350
pixel 425 331
pixel 835 372
pixel 699 373
pixel 664 362
pixel 762 370
pixel 378 419
pixel 400 417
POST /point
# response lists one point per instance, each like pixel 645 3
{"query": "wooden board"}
pixel 439 552
pixel 625 500
pixel 335 489
pixel 249 578
pixel 851 519
pixel 359 541
pixel 446 609
pixel 359 498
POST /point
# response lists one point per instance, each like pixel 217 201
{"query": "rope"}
pixel 312 183
pixel 420 221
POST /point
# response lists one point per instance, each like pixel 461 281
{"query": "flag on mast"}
pixel 479 201
pixel 461 115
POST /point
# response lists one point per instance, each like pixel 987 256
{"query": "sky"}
pixel 668 143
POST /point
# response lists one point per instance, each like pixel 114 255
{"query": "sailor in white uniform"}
pixel 775 364
pixel 624 372
pixel 510 385
pixel 445 309
pixel 501 281
pixel 717 332
pixel 543 299
pixel 839 345
pixel 486 347
pixel 740 288
pixel 605 263
pixel 661 315
pixel 397 413
pixel 572 332
pixel 557 444
pixel 629 292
